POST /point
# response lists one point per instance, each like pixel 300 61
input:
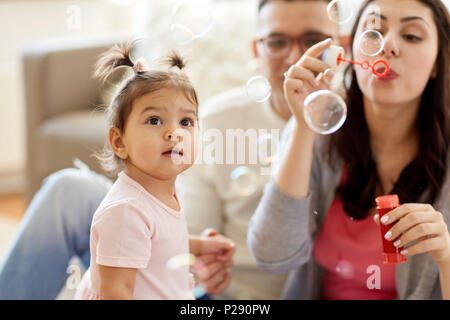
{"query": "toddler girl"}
pixel 140 226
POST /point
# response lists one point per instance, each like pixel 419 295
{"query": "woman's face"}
pixel 411 49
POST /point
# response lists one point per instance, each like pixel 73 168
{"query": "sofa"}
pixel 63 120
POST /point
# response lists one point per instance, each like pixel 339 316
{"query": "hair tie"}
pixel 140 65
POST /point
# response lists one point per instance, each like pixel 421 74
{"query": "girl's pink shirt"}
pixel 133 229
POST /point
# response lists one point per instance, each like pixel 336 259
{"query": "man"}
pixel 56 225
pixel 209 193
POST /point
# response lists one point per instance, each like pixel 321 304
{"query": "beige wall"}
pixel 24 21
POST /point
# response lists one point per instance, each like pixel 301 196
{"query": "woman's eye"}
pixel 187 122
pixel 154 121
pixel 412 38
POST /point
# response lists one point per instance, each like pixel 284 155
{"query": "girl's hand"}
pixel 300 80
pixel 214 257
pixel 421 223
pixel 213 242
pixel 214 276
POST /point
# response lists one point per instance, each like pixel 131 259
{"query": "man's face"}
pixel 280 21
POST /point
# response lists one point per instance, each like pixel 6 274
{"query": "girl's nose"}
pixel 172 135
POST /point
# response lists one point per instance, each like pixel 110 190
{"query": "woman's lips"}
pixel 390 76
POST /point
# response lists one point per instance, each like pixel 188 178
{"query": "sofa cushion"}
pixel 72 135
pixel 85 127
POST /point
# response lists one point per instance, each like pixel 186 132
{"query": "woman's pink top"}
pixel 350 251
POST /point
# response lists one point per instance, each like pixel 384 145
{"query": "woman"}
pixel 315 218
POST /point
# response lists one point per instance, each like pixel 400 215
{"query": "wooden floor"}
pixel 12 206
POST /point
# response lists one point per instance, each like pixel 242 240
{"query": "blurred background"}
pixel 49 109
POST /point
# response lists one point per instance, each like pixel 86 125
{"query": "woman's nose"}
pixel 391 48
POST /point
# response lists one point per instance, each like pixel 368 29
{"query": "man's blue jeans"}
pixel 55 228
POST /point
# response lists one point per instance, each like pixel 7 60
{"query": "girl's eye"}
pixel 187 122
pixel 154 121
pixel 412 38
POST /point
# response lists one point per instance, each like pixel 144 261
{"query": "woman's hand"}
pixel 420 223
pixel 300 80
pixel 214 256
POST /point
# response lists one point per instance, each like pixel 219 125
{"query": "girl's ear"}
pixel 117 144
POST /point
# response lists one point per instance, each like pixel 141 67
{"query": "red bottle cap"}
pixel 386 202
pixel 394 258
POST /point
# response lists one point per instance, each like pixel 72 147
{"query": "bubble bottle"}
pixel 390 252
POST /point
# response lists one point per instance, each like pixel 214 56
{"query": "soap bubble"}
pixel 332 77
pixel 324 111
pixel 185 259
pixel 181 34
pixel 258 88
pixel 329 75
pixel 191 20
pixel 340 11
pixel 371 43
pixel 244 181
pixel 345 269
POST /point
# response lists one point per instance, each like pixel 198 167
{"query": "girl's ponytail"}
pixel 118 55
pixel 174 59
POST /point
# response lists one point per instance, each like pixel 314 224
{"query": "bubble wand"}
pixel 334 56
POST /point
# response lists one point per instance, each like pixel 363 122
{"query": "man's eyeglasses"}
pixel 278 46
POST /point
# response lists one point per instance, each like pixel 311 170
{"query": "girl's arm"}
pixel 117 283
pixel 216 244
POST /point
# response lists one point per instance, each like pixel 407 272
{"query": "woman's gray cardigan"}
pixel 283 229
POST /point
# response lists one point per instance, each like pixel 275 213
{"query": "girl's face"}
pixel 161 133
pixel 411 48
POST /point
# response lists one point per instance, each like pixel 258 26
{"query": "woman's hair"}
pixel 426 172
pixel 140 83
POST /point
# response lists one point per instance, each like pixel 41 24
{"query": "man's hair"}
pixel 262 3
